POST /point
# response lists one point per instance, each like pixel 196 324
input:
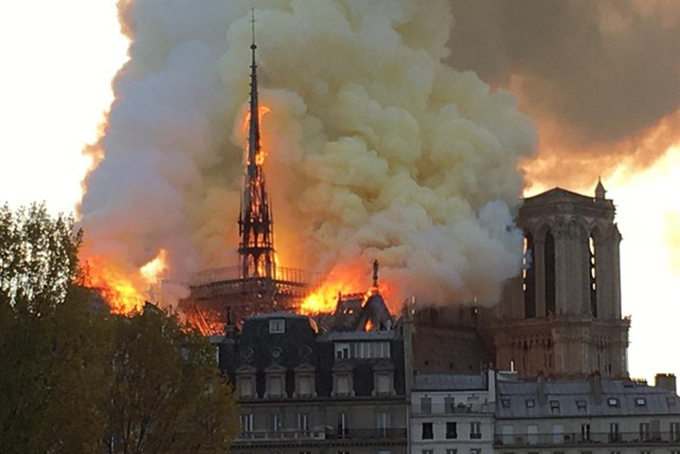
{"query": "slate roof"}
pixel 449 382
pixel 580 398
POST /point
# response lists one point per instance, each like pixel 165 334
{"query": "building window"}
pixel 303 423
pixel 245 387
pixel 555 407
pixel 585 432
pixel 505 403
pixel 582 405
pixel 427 433
pixel 277 326
pixel 382 423
pixel 451 451
pixel 558 433
pixel 449 404
pixel 274 385
pixel 383 382
pixel 343 425
pixel 531 403
pixel 475 451
pixel 675 431
pixel 613 402
pixel 304 385
pixel 342 351
pixel 640 402
pixel 614 434
pixel 425 405
pixel 275 422
pixel 645 431
pixel 427 451
pixel 246 423
pixel 507 433
pixel 532 434
pixel 451 430
pixel 475 430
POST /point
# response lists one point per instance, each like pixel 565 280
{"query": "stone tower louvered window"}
pixel 550 288
pixel 592 257
pixel 529 277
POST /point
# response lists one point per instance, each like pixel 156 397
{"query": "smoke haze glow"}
pixel 55 85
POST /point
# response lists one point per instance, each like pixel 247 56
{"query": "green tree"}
pixel 167 395
pixel 76 379
pixel 54 364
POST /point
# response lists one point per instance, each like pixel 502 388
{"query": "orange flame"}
pixel 122 292
pixel 348 279
pixel 118 291
pixel 261 155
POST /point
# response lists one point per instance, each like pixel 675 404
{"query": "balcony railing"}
pixel 324 434
pixel 586 439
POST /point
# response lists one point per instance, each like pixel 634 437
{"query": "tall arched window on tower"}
pixel 550 291
pixel 529 277
pixel 592 274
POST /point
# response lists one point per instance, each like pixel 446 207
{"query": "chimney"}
pixel 595 380
pixel 540 387
pixel 666 382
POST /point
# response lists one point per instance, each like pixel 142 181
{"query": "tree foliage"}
pixel 76 379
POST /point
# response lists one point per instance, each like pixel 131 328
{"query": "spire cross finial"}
pixel 252 22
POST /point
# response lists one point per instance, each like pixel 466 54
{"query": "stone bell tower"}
pixel 562 315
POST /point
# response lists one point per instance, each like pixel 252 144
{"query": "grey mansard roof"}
pixel 449 382
pixel 577 398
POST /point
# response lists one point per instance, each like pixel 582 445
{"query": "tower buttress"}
pixel 256 248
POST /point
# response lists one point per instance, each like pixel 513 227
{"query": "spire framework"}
pixel 256 247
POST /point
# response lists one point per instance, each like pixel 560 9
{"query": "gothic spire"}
pixel 256 248
pixel 254 123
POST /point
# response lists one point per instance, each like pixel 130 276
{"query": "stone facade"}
pixel 562 316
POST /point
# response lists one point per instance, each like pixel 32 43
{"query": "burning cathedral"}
pixel 561 316
pixel 225 297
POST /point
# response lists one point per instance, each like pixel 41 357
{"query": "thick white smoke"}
pixel 376 148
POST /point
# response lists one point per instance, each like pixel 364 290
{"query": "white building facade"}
pixel 593 416
pixel 453 413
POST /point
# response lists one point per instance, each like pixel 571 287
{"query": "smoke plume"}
pixel 376 148
pixel 600 77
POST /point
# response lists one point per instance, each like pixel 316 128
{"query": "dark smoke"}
pixel 598 72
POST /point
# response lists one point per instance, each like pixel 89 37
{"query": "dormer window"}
pixel 277 326
pixel 275 381
pixel 383 379
pixel 342 351
pixel 304 381
pixel 531 403
pixel 245 382
pixel 613 402
pixel 640 401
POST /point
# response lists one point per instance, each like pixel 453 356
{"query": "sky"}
pixel 55 87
